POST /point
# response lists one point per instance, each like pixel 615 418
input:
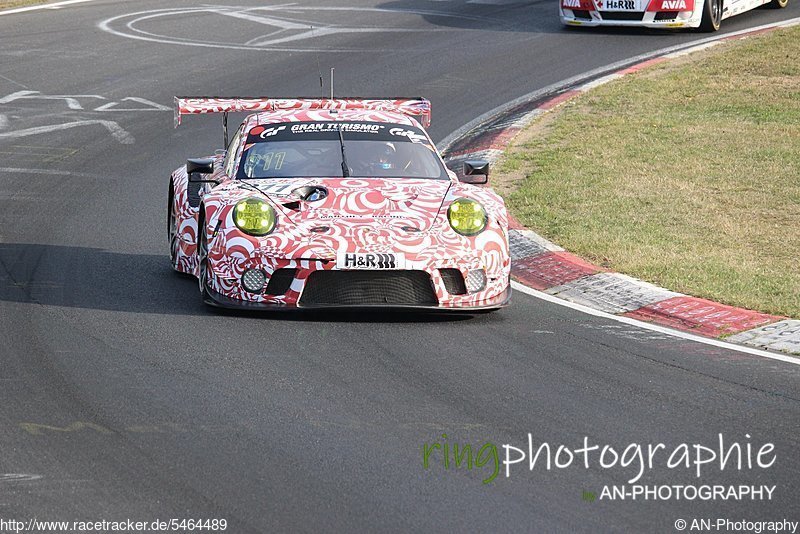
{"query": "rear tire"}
pixel 712 15
pixel 778 4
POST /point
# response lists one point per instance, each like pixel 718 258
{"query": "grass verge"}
pixel 686 174
pixel 10 4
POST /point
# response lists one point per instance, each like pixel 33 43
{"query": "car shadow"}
pixel 93 278
pixel 533 16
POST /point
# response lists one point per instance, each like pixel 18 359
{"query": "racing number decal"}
pixel 277 156
pixel 266 161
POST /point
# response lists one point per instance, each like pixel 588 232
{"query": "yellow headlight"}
pixel 467 217
pixel 254 216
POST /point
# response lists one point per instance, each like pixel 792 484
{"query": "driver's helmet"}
pixel 387 157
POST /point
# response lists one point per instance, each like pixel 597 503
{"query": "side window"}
pixel 230 157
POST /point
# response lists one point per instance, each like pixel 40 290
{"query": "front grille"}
pixel 280 281
pixel 453 281
pixel 622 15
pixel 666 15
pixel 354 288
pixel 581 14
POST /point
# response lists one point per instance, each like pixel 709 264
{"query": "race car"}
pixel 703 14
pixel 339 202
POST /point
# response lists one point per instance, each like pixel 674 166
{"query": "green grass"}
pixel 9 4
pixel 686 174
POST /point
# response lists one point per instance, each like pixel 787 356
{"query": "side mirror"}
pixel 198 166
pixel 476 172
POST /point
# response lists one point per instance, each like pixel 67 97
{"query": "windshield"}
pixel 314 150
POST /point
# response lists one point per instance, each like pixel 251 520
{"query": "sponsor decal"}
pixel 671 5
pixel 571 4
pixel 620 5
pixel 315 127
pixel 356 260
pixel 329 131
pixel 269 132
pixel 412 136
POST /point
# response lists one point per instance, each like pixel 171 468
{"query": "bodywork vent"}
pixel 622 15
pixel 453 281
pixel 193 191
pixel 280 281
pixel 666 15
pixel 369 288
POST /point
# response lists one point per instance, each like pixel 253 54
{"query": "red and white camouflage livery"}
pixel 704 14
pixel 336 202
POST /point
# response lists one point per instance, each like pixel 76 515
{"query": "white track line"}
pixel 55 5
pixel 117 131
pixel 653 327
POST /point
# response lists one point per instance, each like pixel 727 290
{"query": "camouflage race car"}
pixel 336 203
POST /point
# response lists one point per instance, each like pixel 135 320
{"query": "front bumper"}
pixel 434 270
pixel 646 19
pixel 217 299
pixel 430 282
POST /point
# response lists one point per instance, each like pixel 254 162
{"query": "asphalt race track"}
pixel 122 396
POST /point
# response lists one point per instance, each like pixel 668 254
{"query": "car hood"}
pixel 388 202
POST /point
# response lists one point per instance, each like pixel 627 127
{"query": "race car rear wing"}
pixel 419 108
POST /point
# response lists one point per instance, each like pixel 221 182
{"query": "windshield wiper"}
pixel 251 187
pixel 345 168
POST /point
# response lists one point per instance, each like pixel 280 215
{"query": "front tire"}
pixel 172 229
pixel 778 4
pixel 202 255
pixel 712 15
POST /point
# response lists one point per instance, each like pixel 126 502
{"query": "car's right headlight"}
pixel 467 217
pixel 254 216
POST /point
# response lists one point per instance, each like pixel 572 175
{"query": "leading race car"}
pixel 336 203
pixel 703 14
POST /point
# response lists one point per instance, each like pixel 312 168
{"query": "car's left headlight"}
pixel 467 217
pixel 254 216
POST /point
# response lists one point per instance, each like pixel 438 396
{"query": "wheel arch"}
pixel 186 216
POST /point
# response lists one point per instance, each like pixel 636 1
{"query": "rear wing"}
pixel 419 108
